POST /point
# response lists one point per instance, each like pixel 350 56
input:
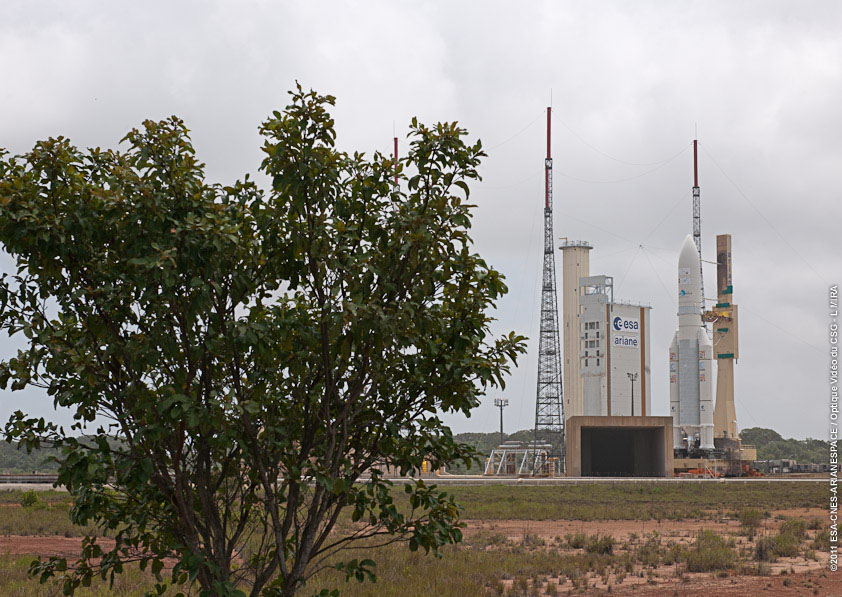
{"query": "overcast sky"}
pixel 631 83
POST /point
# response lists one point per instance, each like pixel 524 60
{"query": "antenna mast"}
pixel 697 214
pixel 396 161
pixel 549 414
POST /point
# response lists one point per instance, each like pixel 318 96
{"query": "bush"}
pixel 576 541
pixel 649 553
pixel 675 553
pixel 750 518
pixel 795 527
pixel 29 499
pixel 822 540
pixel 600 544
pixel 787 545
pixel 764 550
pixel 709 552
pixel 763 569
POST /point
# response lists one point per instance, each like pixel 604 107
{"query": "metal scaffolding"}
pixel 549 413
pixel 518 459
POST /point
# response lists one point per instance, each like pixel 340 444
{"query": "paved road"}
pixel 477 480
pixel 28 486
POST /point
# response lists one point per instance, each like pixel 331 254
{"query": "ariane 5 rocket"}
pixel 691 351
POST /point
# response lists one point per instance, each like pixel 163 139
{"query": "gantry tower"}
pixel 549 414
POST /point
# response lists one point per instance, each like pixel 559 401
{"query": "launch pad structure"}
pixel 517 459
pixel 593 392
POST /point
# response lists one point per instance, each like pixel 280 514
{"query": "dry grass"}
pixel 489 561
pixel 15 583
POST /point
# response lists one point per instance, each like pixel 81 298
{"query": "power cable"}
pixel 520 132
pixel 748 412
pixel 611 157
pixel 760 213
pixel 774 325
pixel 658 276
pixel 515 184
pixel 619 180
pixel 628 269
pixel 664 219
pixel 531 328
pixel 592 225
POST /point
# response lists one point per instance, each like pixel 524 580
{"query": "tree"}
pixel 243 363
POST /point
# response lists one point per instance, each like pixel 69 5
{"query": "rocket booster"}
pixel 691 351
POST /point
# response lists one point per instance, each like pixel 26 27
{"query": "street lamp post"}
pixel 632 378
pixel 501 403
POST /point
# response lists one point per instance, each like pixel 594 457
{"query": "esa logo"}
pixel 625 325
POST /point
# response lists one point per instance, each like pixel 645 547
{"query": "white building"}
pixel 613 351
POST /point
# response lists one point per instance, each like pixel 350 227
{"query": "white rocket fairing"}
pixel 691 372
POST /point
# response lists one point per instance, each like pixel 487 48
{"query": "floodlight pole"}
pixel 501 403
pixel 632 378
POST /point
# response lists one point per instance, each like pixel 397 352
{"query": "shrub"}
pixel 674 554
pixel 709 552
pixel 531 540
pixel 763 569
pixel 29 499
pixel 791 534
pixel 795 527
pixel 764 550
pixel 750 518
pixel 649 553
pixel 600 544
pixel 821 542
pixel 576 541
pixel 787 545
pixel 485 539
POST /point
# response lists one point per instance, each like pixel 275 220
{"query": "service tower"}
pixel 724 319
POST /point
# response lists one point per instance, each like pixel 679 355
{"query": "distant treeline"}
pixel 13 460
pixel 771 446
pixel 485 442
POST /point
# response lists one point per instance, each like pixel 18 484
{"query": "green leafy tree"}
pixel 243 362
pixel 771 446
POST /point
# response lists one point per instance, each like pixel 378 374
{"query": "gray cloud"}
pixel 760 80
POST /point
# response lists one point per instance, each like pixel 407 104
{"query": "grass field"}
pixel 494 559
pixel 669 501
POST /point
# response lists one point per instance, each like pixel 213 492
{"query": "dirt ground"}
pixel 52 545
pixel 788 576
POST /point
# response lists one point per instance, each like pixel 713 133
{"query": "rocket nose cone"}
pixel 689 256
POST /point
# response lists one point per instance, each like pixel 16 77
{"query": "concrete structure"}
pixel 575 265
pixel 613 351
pixel 691 383
pixel 620 446
pixel 725 346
